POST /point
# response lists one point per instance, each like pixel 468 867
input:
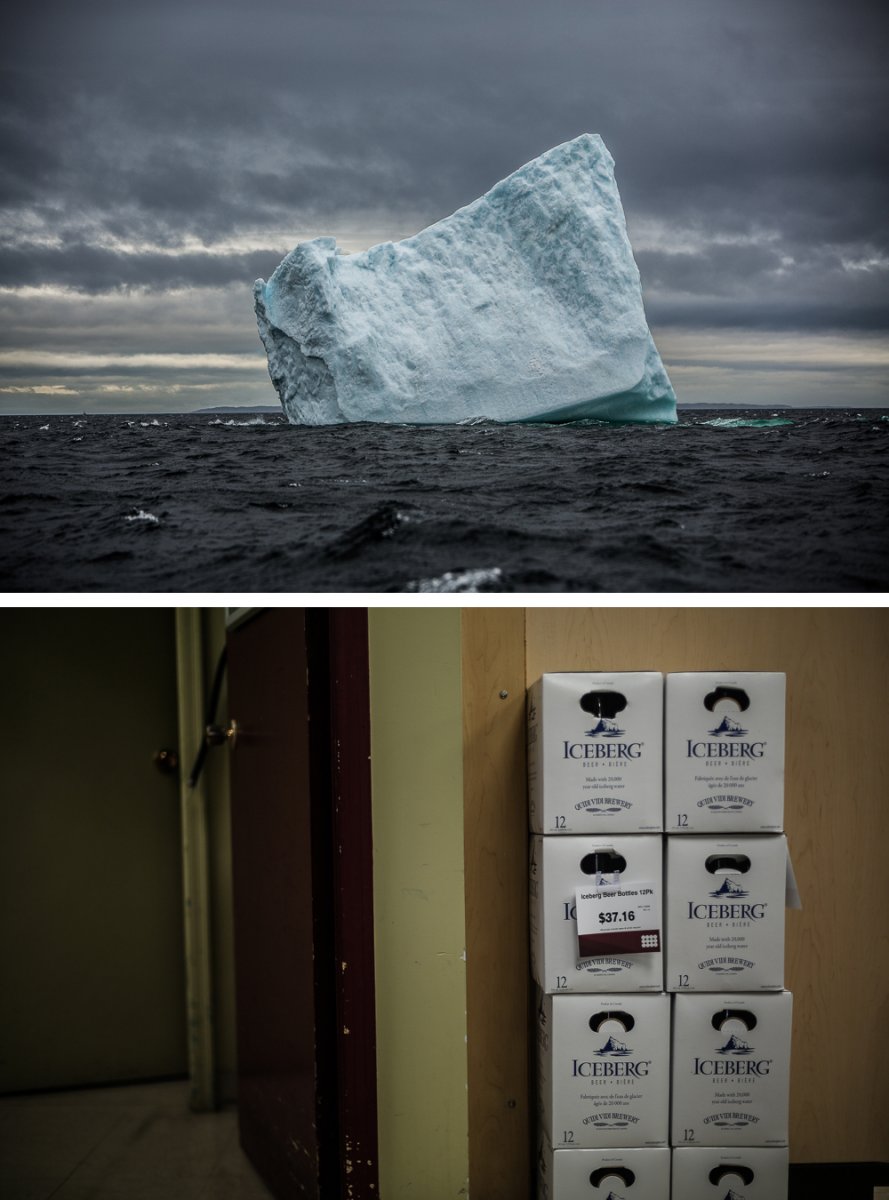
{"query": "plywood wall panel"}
pixel 496 841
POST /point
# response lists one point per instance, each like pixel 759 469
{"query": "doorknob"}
pixel 166 761
pixel 217 735
pixel 214 735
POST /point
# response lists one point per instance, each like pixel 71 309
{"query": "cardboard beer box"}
pixel 639 1174
pixel 595 753
pixel 731 1069
pixel 603 1069
pixel 612 943
pixel 725 912
pixel 750 1173
pixel 724 751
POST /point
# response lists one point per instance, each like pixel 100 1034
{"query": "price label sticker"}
pixel 618 918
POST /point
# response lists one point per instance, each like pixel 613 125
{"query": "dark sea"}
pixel 725 501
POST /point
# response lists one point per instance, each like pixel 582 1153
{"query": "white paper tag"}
pixel 617 918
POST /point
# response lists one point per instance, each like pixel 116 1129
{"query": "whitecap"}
pixel 746 422
pixel 458 581
pixel 143 516
pixel 251 421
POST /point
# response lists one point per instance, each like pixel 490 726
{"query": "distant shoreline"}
pixel 276 410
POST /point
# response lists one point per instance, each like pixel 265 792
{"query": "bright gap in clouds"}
pixel 738 368
pixel 76 362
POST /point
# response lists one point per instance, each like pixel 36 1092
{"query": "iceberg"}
pixel 526 305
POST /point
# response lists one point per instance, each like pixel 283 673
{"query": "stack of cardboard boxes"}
pixel 658 872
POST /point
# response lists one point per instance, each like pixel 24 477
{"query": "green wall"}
pixel 90 861
pixel 416 738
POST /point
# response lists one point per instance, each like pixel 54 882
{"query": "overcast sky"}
pixel 159 155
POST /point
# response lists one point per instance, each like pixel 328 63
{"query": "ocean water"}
pixel 740 501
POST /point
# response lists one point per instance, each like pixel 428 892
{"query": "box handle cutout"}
pixel 745 1174
pixel 735 695
pixel 624 1020
pixel 603 704
pixel 727 1017
pixel 727 864
pixel 602 862
pixel 623 1175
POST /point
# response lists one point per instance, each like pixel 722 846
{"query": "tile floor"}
pixel 121 1143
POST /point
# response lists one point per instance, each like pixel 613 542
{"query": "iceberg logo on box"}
pixel 603 709
pixel 734 1063
pixel 735 1045
pixel 728 887
pixel 615 1048
pixel 608 1069
pixel 729 745
pixel 605 728
pixel 728 728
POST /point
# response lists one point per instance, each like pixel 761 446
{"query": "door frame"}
pixel 343 634
pixel 195 862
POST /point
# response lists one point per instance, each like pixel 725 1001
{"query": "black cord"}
pixel 211 718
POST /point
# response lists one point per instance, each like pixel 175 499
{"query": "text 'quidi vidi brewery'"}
pixel 659 876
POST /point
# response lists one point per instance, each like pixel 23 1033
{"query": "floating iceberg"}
pixel 523 306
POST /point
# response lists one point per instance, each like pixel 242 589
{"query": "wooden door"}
pixel 90 857
pixel 302 900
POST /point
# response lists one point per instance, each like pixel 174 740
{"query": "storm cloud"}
pixel 152 149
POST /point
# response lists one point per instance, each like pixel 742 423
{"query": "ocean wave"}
pixel 746 422
pixel 380 526
pixel 481 579
pixel 250 421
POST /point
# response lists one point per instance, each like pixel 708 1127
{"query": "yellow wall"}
pixel 418 902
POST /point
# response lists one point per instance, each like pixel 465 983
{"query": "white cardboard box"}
pixel 731 1069
pixel 599 1174
pixel 558 867
pixel 724 918
pixel 724 752
pixel 705 1173
pixel 595 753
pixel 603 1069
